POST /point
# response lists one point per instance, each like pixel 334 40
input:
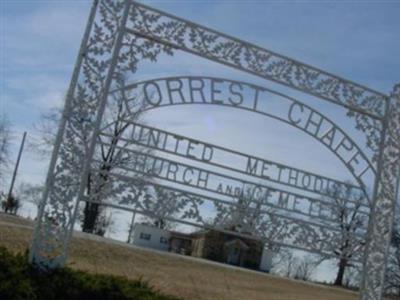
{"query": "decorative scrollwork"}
pixel 178 33
pixel 383 210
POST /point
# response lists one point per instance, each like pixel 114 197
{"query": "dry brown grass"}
pixel 15 219
pixel 178 276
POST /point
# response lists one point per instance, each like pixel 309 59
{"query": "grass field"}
pixel 172 274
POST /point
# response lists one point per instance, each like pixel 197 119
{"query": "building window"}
pixel 163 240
pixel 145 236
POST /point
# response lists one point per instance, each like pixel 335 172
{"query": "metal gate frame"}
pixel 120 34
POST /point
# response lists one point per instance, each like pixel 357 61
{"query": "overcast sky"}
pixel 358 40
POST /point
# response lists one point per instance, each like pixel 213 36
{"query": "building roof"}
pixel 180 235
pixel 239 242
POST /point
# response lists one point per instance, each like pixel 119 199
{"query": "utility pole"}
pixel 8 203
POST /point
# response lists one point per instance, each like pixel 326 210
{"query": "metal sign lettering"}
pixel 186 147
pixel 181 91
pixel 120 35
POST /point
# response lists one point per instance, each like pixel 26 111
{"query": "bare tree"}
pixel 284 263
pixel 46 130
pixel 29 192
pixel 25 192
pixel 305 267
pixel 300 267
pixel 113 153
pixel 349 217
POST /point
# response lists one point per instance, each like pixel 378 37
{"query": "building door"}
pixel 233 256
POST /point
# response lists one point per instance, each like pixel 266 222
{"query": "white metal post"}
pixel 382 214
pixel 37 242
pixel 99 116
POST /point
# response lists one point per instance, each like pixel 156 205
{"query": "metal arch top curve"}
pixel 254 108
pixel 164 28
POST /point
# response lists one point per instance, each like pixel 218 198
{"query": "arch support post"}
pixel 383 206
pixel 69 162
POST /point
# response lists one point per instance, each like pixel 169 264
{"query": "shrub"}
pixel 20 280
pixel 11 205
pixel 14 280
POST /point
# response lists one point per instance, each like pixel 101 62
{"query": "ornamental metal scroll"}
pixel 118 37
